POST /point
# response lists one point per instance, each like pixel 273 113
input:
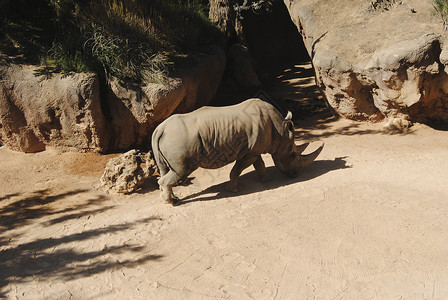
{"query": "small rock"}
pixel 127 172
pixel 395 125
pixel 151 168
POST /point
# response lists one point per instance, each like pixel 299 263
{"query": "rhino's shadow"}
pixel 250 184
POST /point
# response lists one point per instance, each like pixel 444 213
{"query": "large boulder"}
pixel 135 111
pixel 39 109
pixel 377 59
pixel 73 111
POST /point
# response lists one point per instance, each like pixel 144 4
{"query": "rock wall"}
pixel 73 111
pixel 61 111
pixel 377 59
pixel 136 111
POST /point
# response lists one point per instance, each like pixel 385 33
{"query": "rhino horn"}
pixel 305 160
pixel 301 148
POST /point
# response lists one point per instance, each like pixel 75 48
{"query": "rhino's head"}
pixel 288 157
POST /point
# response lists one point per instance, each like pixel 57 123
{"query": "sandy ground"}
pixel 368 219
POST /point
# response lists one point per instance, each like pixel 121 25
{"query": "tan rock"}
pixel 377 59
pixel 71 112
pixel 135 111
pixel 125 174
pixel 58 110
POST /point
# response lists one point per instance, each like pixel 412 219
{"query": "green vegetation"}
pixel 442 7
pixel 257 6
pixel 136 40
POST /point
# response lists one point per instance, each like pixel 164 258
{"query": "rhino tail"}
pixel 158 155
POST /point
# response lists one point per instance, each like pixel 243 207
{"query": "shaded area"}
pixel 149 185
pixel 21 212
pixel 272 38
pixel 132 40
pixel 57 257
pixel 39 258
pixel 293 87
pixel 6 197
pixel 249 185
pixel 438 125
pixel 279 58
pixel 319 125
pixel 26 31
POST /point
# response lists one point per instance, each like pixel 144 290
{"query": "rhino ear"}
pixel 289 129
pixel 288 116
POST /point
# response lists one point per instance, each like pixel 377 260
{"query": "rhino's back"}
pixel 211 137
pixel 228 133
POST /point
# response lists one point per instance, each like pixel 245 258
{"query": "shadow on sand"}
pixel 56 257
pixel 250 185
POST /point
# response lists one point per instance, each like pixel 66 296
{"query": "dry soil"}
pixel 368 219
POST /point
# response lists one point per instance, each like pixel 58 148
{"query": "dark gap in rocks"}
pixel 282 63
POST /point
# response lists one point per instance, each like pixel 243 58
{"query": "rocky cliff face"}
pixel 61 111
pixel 73 112
pixel 377 59
pixel 136 111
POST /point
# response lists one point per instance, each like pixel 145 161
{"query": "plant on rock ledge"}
pixel 442 7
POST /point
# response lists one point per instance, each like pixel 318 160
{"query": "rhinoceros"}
pixel 212 137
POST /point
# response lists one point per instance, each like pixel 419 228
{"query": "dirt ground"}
pixel 368 219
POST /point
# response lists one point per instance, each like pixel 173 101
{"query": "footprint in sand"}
pixel 218 241
pixel 239 263
pixel 240 223
pixel 240 270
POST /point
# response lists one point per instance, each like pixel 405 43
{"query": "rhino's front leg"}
pixel 260 168
pixel 239 166
pixel 166 183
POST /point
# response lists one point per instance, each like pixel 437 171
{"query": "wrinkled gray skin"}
pixel 212 137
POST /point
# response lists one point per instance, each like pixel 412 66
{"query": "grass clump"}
pixel 442 7
pixel 135 40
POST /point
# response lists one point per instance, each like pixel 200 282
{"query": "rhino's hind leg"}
pixel 239 166
pixel 166 183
